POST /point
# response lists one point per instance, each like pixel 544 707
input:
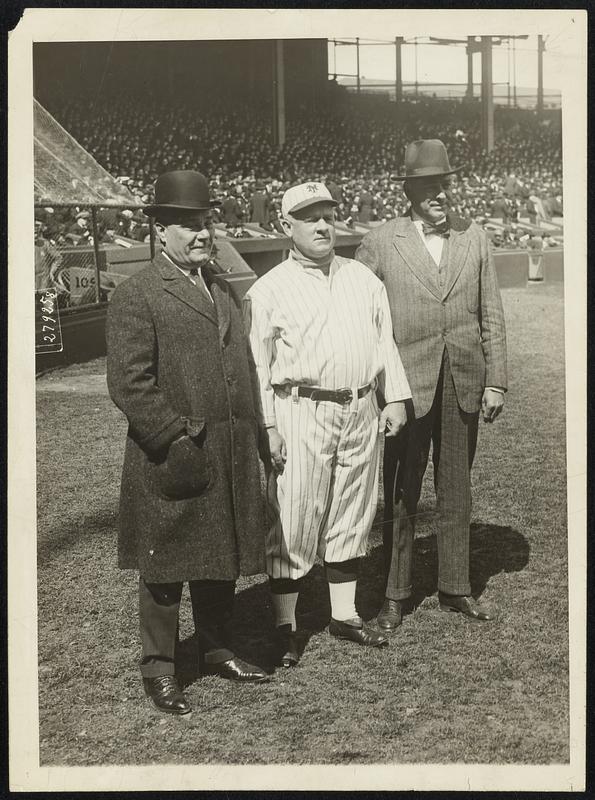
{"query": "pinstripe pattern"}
pixel 447 316
pixel 333 332
pixel 454 436
pixel 326 496
pixel 307 329
pixel 464 314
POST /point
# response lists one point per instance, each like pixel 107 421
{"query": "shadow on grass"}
pixel 53 540
pixel 493 549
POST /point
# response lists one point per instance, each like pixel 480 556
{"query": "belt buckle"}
pixel 344 396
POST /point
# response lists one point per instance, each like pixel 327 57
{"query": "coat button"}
pixel 229 380
pixel 234 420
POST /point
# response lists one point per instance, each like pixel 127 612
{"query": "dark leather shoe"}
pixel 391 615
pixel 167 695
pixel 464 605
pixel 357 631
pixel 289 652
pixel 237 670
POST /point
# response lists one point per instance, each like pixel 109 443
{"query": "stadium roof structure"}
pixel 65 174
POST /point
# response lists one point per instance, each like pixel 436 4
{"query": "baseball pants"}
pixel 325 499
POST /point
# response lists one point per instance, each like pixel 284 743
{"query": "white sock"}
pixel 284 609
pixel 343 600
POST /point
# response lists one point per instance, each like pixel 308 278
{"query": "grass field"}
pixel 447 690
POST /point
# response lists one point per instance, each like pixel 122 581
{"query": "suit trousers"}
pixel 453 435
pixel 159 605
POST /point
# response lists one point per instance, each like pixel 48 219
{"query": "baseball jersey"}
pixel 335 331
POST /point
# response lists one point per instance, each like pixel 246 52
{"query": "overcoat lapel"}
pixel 178 284
pixel 457 255
pixel 414 254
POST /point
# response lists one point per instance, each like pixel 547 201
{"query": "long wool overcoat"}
pixel 176 363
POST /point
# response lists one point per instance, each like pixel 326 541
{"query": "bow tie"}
pixel 443 229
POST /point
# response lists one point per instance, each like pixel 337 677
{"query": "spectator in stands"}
pixel 365 206
pixel 352 141
pixel 233 214
pixel 47 258
pixel 500 208
pixel 78 232
pixel 260 207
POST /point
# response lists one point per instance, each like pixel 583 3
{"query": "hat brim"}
pixel 151 211
pixel 421 174
pixel 312 201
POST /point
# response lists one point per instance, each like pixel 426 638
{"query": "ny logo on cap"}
pixel 312 187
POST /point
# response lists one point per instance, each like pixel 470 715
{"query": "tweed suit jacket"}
pixel 463 313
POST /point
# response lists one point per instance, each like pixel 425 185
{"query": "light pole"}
pixel 487 95
pixel 470 51
pixel 398 70
pixel 540 50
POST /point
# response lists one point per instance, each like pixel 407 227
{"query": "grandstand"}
pixel 267 117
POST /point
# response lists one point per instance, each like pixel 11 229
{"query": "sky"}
pixel 448 64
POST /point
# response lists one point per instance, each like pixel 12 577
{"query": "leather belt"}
pixel 342 396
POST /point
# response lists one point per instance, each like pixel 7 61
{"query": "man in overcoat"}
pixel 449 327
pixel 178 366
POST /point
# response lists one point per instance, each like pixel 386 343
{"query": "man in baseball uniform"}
pixel 321 335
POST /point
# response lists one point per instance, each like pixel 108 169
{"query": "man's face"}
pixel 429 197
pixel 312 230
pixel 187 237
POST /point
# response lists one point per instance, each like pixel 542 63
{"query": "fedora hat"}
pixel 426 158
pixel 181 189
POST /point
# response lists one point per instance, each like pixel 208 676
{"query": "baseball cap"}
pixel 304 195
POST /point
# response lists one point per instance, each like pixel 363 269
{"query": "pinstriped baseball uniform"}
pixel 307 329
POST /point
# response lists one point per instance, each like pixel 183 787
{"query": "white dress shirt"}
pixel 432 241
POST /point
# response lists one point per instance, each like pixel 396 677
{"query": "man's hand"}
pixel 278 450
pixel 393 418
pixel 491 404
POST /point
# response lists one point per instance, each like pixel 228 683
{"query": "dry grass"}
pixel 447 690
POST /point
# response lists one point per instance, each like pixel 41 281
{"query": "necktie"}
pixel 201 284
pixel 442 229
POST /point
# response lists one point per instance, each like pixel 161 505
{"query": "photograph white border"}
pixel 55 25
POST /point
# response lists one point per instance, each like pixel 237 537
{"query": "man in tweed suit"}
pixel 449 326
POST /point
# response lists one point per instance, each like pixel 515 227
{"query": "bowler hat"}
pixel 181 189
pixel 426 158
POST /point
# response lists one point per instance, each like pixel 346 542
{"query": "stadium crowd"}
pixel 355 145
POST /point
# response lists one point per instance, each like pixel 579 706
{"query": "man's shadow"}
pixel 493 549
